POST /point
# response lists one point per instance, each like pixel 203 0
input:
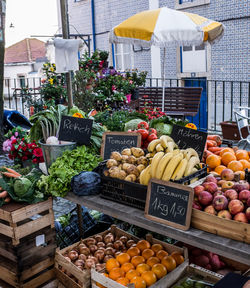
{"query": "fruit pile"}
pixel 224 197
pixel 142 264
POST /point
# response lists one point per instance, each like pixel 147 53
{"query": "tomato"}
pixel 152 130
pixel 143 125
pixel 144 133
pixel 151 137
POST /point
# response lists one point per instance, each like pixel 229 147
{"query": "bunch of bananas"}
pixel 168 162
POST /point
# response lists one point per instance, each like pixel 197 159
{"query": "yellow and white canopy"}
pixel 162 26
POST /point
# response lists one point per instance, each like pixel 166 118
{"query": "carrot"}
pixel 215 138
pixel 215 149
pixel 7 199
pixel 10 175
pixel 217 153
pixel 3 194
pixel 211 143
pixel 12 171
pixel 207 153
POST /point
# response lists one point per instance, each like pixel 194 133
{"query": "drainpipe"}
pixel 93 23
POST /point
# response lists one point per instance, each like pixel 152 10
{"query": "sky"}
pixel 30 17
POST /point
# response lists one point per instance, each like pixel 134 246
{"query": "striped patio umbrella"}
pixel 163 26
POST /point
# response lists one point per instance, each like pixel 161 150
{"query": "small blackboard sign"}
pixel 75 129
pixel 189 138
pixel 117 141
pixel 169 203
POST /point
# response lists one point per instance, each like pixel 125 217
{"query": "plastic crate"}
pixel 134 194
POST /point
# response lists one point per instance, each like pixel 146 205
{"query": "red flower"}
pixel 14 141
pixel 24 158
pixel 38 152
pixel 35 160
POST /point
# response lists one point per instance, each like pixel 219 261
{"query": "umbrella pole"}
pixel 163 79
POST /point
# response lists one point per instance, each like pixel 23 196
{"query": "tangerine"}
pixel 147 253
pixel 139 282
pixel 131 274
pixel 242 154
pixel 136 260
pixel 156 247
pixel 245 163
pixel 161 254
pixel 133 251
pixel 143 244
pixel 123 258
pixel 152 261
pixel 159 270
pixel 149 277
pixel 213 161
pixel 227 157
pixel 177 257
pixel 219 169
pixel 112 263
pixel 116 273
pixel 123 281
pixel 127 266
pixel 142 268
pixel 235 166
pixel 169 262
pixel 227 149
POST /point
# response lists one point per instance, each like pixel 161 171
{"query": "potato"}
pixel 120 166
pixel 114 168
pixel 126 152
pixel 122 175
pixel 131 159
pixel 111 162
pixel 106 173
pixel 116 155
pixel 124 158
pixel 137 152
pixel 142 160
pixel 140 168
pixel 131 178
pixel 133 170
pixel 115 173
pixel 125 166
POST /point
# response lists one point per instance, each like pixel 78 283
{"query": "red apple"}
pixel 231 194
pixel 227 185
pixel 220 182
pixel 241 217
pixel 241 185
pixel 211 178
pixel 248 213
pixel 227 174
pixel 210 209
pixel 205 198
pixel 198 189
pixel 248 202
pixel 197 206
pixel 244 195
pixel 235 206
pixel 245 183
pixel 218 192
pixel 224 214
pixel 220 202
pixel 210 186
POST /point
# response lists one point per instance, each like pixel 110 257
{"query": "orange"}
pixel 112 263
pixel 131 274
pixel 245 163
pixel 159 270
pixel 142 268
pixel 242 154
pixel 242 174
pixel 213 161
pixel 138 282
pixel 127 266
pixel 143 244
pixel 235 165
pixel 219 169
pixel 149 277
pixel 161 253
pixel 147 253
pixel 123 258
pixel 136 260
pixel 169 263
pixel 116 273
pixel 133 251
pixel 152 261
pixel 226 150
pixel 177 257
pixel 123 281
pixel 227 157
pixel 156 247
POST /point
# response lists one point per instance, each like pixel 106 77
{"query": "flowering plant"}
pixel 149 111
pixel 20 147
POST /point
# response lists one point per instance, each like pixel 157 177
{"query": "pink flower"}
pixel 113 87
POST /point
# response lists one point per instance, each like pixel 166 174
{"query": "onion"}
pixel 82 257
pixel 109 251
pixel 107 257
pixel 79 262
pixel 98 238
pixel 99 254
pixel 90 241
pixel 118 244
pixel 82 245
pixel 100 244
pixel 117 253
pixel 99 267
pixel 90 263
pixel 85 251
pixel 102 248
pixel 93 248
pixel 124 239
pixel 93 258
pixel 130 243
pixel 110 245
pixel 67 258
pixel 109 238
pixel 73 255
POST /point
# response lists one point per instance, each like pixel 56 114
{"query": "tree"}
pixel 2 48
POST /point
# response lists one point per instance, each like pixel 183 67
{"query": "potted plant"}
pixel 138 79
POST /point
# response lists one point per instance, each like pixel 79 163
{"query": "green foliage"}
pixel 138 78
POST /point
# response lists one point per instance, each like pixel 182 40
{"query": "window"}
pixel 194 59
pixel 123 57
pixel 21 80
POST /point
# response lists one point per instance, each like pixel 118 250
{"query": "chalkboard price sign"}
pixel 189 138
pixel 75 129
pixel 169 203
pixel 117 141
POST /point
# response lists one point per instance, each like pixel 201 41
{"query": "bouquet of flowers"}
pixel 21 148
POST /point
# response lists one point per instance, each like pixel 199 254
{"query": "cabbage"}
pixel 163 129
pixel 21 186
pixel 52 140
pixel 132 124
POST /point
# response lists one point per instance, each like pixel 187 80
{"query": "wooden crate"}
pixel 169 278
pixel 223 227
pixel 81 278
pixel 16 221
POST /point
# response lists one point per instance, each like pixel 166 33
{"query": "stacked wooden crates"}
pixel 27 244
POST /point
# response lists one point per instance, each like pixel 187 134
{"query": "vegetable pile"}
pixel 71 163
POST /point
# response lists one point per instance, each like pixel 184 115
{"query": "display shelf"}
pixel 223 246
